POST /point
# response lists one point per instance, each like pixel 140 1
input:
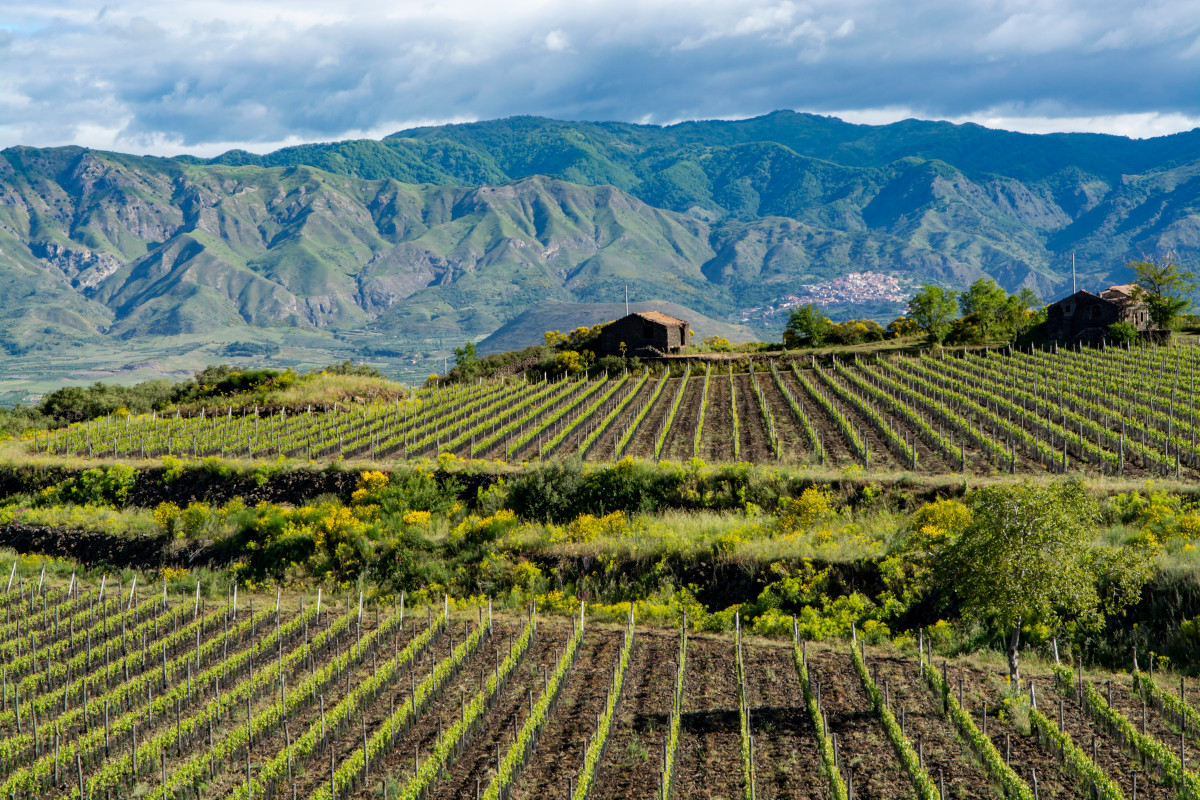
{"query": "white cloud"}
pixel 557 41
pixel 1135 126
pixel 201 75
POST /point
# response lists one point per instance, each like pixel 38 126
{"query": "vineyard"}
pixel 1114 411
pixel 130 691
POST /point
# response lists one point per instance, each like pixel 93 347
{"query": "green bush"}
pixel 417 490
pixel 98 487
pixel 1122 333
pixel 548 492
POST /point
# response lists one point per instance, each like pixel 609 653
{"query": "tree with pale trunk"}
pixel 1029 555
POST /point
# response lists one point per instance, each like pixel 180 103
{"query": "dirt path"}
pixel 632 764
pixel 863 749
pixel 716 443
pixel 558 754
pixel 709 758
pixel 786 756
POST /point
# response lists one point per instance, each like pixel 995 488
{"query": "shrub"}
pixel 97 487
pixel 547 493
pixel 418 490
pixel 1122 333
pixel 798 514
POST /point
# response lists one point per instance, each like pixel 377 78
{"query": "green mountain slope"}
pixel 401 247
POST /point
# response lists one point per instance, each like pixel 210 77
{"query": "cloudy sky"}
pixel 202 76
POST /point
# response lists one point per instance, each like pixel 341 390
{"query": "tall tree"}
pixel 806 327
pixel 933 309
pixel 985 302
pixel 1164 287
pixel 466 361
pixel 1028 555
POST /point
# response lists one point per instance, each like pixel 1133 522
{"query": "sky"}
pixel 205 76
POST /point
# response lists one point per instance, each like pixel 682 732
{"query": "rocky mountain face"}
pixel 454 231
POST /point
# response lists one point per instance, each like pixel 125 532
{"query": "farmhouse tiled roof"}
pixel 658 316
pixel 1123 292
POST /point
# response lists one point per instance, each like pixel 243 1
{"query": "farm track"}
pixel 863 747
pixel 681 437
pixel 501 721
pixel 716 442
pixel 754 445
pixel 785 743
pixel 642 443
pixel 559 751
pixel 709 757
pixel 632 765
pixel 945 751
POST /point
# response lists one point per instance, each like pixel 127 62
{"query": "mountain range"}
pixel 381 247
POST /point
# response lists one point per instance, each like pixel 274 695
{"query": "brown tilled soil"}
pixel 560 748
pixel 864 751
pixel 716 441
pixel 754 444
pixel 642 443
pixel 928 460
pixel 787 762
pixel 633 762
pixel 681 439
pixel 399 763
pixel 265 747
pixel 921 716
pixel 1110 756
pixel 422 731
pixel 792 438
pixel 477 764
pixel 837 451
pixel 604 447
pixel 1160 723
pixel 709 758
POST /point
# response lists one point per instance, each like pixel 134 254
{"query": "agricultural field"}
pixel 139 691
pixel 1111 412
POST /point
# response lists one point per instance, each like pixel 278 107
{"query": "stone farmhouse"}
pixel 646 334
pixel 1085 317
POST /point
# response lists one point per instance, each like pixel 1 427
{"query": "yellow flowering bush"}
pixel 193 519
pixel 797 514
pixel 587 528
pixel 416 519
pixel 936 525
pixel 166 514
pixel 369 483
